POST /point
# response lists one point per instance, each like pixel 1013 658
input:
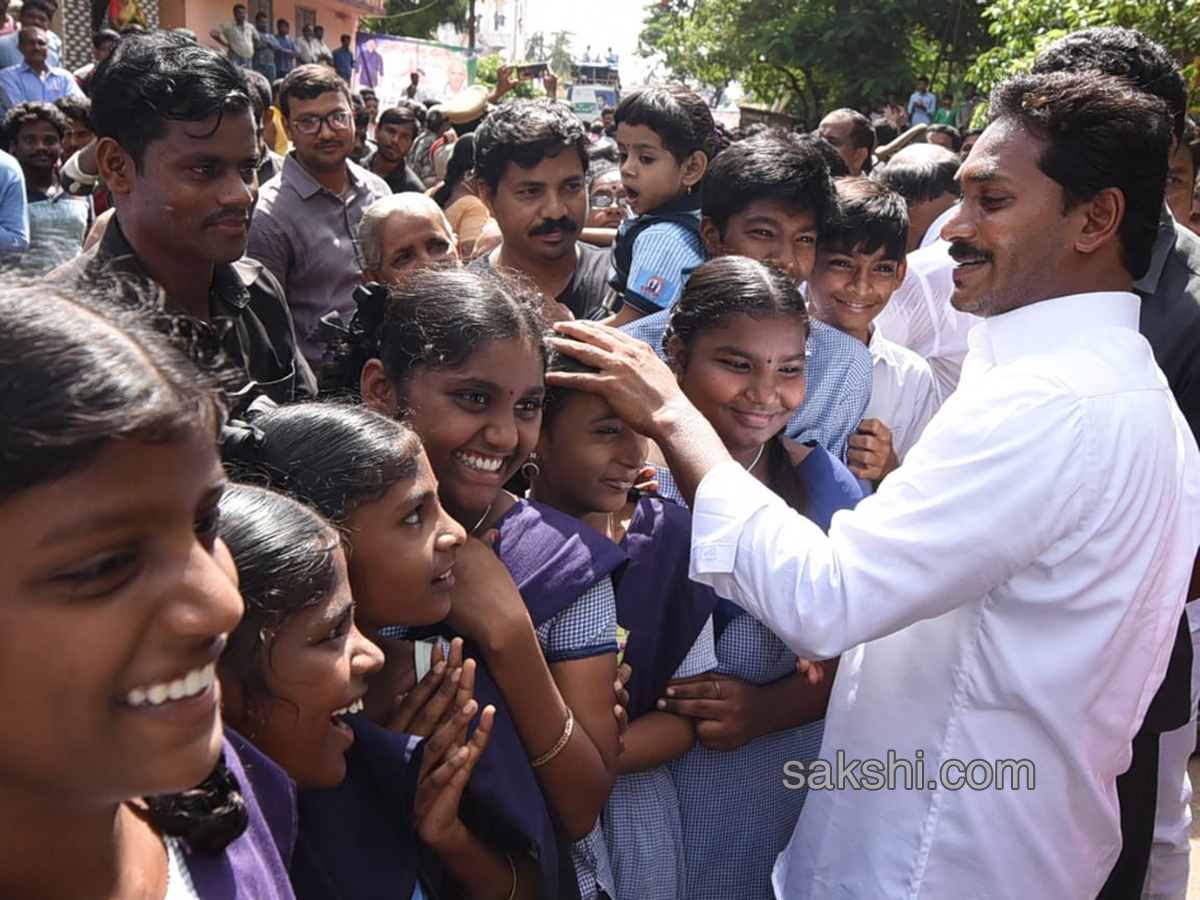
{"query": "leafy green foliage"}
pixel 814 55
pixel 419 18
pixel 1019 29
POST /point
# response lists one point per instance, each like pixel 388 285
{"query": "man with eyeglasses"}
pixel 305 229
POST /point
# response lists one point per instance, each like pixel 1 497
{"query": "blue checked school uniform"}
pixel 736 814
pixel 654 254
pixel 643 827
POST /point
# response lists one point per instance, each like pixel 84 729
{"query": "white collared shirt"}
pixel 904 394
pixel 1015 588
pixel 920 316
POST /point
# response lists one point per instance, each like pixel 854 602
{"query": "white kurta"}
pixel 1015 587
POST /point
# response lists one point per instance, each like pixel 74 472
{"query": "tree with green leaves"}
pixel 1019 29
pixel 418 18
pixel 809 56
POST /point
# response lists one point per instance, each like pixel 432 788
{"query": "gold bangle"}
pixel 562 742
pixel 512 867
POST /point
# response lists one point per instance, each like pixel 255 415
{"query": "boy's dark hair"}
pixel 870 216
pixel 525 132
pixel 921 173
pixel 767 168
pixel 29 112
pixel 950 131
pixel 971 132
pixel 681 118
pixel 76 109
pixel 1123 53
pixel 151 79
pixel 307 82
pixel 1097 132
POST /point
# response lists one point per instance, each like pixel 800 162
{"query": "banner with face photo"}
pixel 385 63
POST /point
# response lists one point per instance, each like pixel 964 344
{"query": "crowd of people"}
pixel 457 501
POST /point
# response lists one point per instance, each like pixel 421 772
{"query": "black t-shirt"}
pixel 586 293
pixel 400 179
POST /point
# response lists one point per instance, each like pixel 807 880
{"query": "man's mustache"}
pixel 549 226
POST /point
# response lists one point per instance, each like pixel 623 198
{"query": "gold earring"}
pixel 530 468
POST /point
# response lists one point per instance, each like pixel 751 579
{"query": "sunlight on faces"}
pixel 409 242
pixel 405 546
pixel 652 176
pixel 316 669
pixel 770 232
pixel 193 196
pixel 1012 243
pixel 478 421
pixel 589 458
pixel 848 290
pixel 115 587
pixel 327 149
pixel 746 376
pixel 540 209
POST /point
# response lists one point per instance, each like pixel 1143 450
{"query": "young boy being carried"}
pixel 663 136
pixel 860 262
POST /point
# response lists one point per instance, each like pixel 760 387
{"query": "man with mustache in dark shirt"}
pixel 531 171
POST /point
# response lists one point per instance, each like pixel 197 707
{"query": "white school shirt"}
pixel 920 316
pixel 1011 592
pixel 904 394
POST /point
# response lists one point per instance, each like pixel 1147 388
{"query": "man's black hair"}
pixel 39 5
pixel 920 176
pixel 102 36
pixel 885 131
pixel 29 112
pixel 76 109
pixel 950 131
pixel 768 167
pixel 1123 53
pixel 308 82
pixel 525 132
pixel 1097 132
pixel 159 77
pixel 678 116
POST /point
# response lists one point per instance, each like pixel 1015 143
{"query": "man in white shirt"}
pixel 1006 602
pixel 919 316
pixel 237 37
